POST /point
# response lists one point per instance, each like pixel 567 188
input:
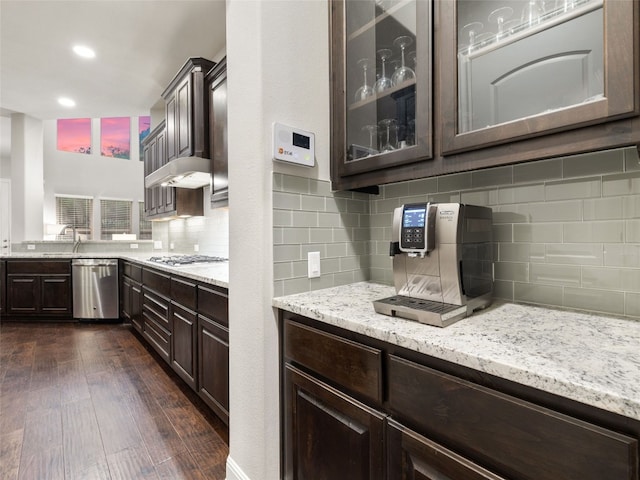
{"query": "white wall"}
pixel 5 147
pixel 277 71
pixel 92 175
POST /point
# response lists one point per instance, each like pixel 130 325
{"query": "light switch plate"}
pixel 313 264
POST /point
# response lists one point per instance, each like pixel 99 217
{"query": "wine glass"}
pixel 404 73
pixel 413 58
pixel 384 82
pixel 532 13
pixel 469 32
pixel 365 91
pixel 388 124
pixel 373 133
pixel 499 16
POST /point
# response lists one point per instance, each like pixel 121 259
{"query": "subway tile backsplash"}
pixel 567 230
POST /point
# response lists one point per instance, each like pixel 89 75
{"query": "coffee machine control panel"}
pixel 417 233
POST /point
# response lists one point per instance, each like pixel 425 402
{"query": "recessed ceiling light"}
pixel 83 51
pixel 66 102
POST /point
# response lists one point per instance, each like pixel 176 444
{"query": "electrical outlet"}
pixel 157 244
pixel 172 246
pixel 313 264
pixel 133 245
pixel 196 248
pixel 31 246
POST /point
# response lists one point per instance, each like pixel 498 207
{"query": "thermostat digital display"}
pixel 293 145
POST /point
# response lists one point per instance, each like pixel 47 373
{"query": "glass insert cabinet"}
pixel 423 87
pixel 381 65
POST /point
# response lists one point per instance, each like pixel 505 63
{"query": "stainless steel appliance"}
pixel 95 288
pixel 442 262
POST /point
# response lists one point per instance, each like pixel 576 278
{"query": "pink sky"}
pixel 74 133
pixel 115 134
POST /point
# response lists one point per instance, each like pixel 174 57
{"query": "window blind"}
pixel 115 217
pixel 76 212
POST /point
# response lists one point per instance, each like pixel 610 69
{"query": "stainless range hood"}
pixel 183 172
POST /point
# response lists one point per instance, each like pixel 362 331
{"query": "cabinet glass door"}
pixel 529 67
pixel 381 56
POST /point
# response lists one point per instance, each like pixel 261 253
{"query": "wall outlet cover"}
pixel 313 264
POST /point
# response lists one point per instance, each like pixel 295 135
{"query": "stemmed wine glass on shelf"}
pixel 403 73
pixel 365 91
pixel 384 82
pixel 499 16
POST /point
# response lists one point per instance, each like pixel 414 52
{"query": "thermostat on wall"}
pixel 293 145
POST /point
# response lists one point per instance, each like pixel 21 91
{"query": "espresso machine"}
pixel 442 262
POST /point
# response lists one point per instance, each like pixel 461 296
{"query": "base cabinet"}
pixel 328 433
pixel 434 420
pixel 39 288
pixel 213 349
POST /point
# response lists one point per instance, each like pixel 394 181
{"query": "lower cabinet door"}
pixel 213 366
pixel 183 353
pixel 412 456
pixel 329 435
pixel 22 294
pixel 136 306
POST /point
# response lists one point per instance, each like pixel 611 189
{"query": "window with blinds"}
pixel 77 213
pixel 144 225
pixel 115 217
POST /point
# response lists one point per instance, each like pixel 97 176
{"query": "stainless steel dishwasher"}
pixel 95 288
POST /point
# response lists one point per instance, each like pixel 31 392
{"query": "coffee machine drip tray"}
pixel 424 311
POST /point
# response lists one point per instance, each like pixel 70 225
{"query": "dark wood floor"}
pixel 88 401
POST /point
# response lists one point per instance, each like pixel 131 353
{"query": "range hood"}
pixel 182 172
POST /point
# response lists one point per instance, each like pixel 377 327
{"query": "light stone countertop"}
pixel 213 273
pixel 585 357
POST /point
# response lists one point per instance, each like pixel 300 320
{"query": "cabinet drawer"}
pixel 132 271
pixel 355 366
pixel 184 292
pixel 159 282
pixel 214 303
pixel 513 437
pixel 57 267
pixel 158 337
pixel 156 308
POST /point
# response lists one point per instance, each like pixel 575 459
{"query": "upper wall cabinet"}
pixel 186 116
pixel 514 70
pixel 380 86
pixel 216 82
pixel 513 81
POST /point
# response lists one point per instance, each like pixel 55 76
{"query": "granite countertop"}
pixel 585 357
pixel 213 273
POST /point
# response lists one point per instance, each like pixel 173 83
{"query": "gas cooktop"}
pixel 177 260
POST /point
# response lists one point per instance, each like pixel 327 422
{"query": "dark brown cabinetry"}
pixel 132 294
pixel 213 349
pixel 162 202
pixel 184 324
pixel 430 423
pixel 385 123
pixel 3 288
pixel 187 323
pixel 39 288
pixel 565 83
pixel 216 81
pixel 157 326
pixel 187 122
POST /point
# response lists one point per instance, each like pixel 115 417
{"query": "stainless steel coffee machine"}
pixel 442 262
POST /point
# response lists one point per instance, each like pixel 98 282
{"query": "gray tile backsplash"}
pixel 567 230
pixel 308 217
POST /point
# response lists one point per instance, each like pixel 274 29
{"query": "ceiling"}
pixel 140 45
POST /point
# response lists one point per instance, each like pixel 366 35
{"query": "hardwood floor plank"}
pixel 10 449
pixel 212 459
pixel 83 449
pixel 181 466
pixel 42 465
pixel 132 463
pixel 160 438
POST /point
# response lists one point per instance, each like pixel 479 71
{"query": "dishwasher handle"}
pixel 94 262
